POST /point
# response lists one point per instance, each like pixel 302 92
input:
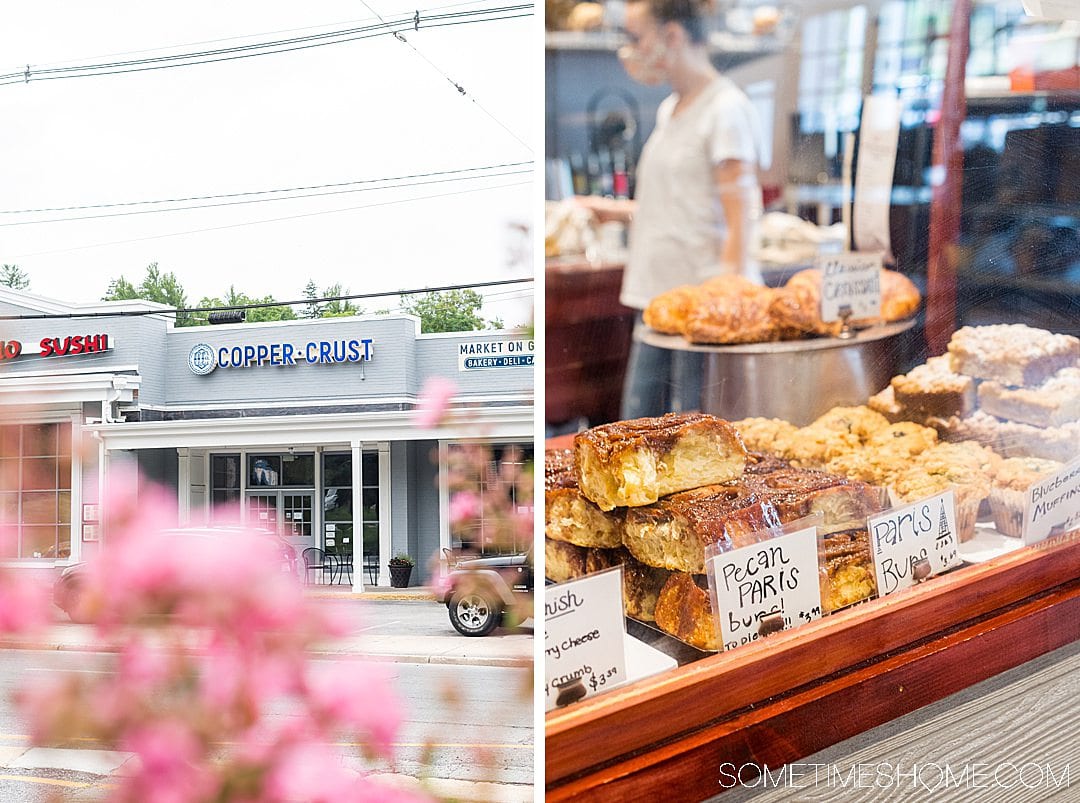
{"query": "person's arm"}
pixel 607 209
pixel 736 185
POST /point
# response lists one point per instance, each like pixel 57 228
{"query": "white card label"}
pixel 879 134
pixel 759 587
pixel 851 282
pixel 1052 505
pixel 584 632
pixel 913 542
pixel 1053 9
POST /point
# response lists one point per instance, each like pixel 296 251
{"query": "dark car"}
pixel 481 591
pixel 68 588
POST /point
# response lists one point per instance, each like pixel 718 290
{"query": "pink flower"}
pixel 356 694
pixel 464 507
pixel 434 401
pixel 24 603
pixel 311 773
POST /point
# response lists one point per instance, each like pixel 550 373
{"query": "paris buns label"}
pixel 914 542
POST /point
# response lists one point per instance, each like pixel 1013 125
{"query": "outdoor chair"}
pixel 314 560
pixel 344 564
pixel 371 569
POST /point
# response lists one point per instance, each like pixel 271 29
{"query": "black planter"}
pixel 399 576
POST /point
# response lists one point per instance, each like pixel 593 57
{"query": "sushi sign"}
pixel 66 346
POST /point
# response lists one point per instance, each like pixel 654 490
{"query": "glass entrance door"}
pixel 287 513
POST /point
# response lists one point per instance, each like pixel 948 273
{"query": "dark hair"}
pixel 690 14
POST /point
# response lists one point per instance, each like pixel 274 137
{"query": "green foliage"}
pixel 234 298
pixel 327 309
pixel 164 288
pixel 401 559
pixel 448 311
pixel 14 277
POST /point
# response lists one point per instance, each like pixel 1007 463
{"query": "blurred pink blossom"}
pixel 434 401
pixel 357 695
pixel 464 507
pixel 24 603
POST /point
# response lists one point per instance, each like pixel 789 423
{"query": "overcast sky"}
pixel 346 112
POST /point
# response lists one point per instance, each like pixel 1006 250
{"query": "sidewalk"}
pixel 108 766
pixel 503 648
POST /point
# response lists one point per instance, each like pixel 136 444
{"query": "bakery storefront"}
pixel 307 427
pixel 847 541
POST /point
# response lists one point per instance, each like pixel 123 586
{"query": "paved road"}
pixel 483 731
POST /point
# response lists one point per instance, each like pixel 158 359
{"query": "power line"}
pixel 461 90
pixel 266 200
pixel 244 36
pixel 259 304
pixel 262 192
pixel 268 220
pixel 266 48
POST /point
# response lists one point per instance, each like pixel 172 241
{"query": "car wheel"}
pixel 74 605
pixel 474 613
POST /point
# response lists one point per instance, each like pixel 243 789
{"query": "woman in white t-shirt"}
pixel 698 200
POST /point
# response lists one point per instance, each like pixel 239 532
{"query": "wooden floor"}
pixel 1028 715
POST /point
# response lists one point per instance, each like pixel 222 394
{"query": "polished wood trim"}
pixel 678 704
pixel 783 730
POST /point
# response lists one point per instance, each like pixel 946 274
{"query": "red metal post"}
pixel 947 181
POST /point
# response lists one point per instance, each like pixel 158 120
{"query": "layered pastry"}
pixel 563 561
pixel 684 609
pixel 675 532
pixel 848 571
pixel 641 583
pixel 739 313
pixel 815 446
pixel 1008 493
pixel 634 463
pixel 798 305
pixel 798 493
pixel 934 389
pixel 1013 439
pixel 862 422
pixel 766 434
pixel 1053 403
pixel 667 312
pixel 568 515
pixel 1011 354
pixel 764 463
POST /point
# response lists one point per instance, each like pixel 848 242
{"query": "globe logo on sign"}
pixel 201 359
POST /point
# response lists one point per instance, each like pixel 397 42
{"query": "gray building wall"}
pixel 136 341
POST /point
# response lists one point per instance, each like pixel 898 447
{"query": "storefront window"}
pixel 288 470
pixel 337 504
pixel 225 482
pixel 35 490
pixel 498 479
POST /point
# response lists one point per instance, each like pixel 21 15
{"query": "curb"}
pixel 376 596
pixel 399 658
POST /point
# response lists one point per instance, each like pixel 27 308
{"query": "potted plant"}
pixel 401 567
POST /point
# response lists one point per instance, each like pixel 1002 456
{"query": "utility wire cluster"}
pixel 260 304
pixel 410 22
pixel 127 208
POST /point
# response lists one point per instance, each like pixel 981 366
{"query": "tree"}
pixel 311 309
pixel 14 277
pixel 235 298
pixel 164 288
pixel 448 311
pixel 338 309
pixel 327 309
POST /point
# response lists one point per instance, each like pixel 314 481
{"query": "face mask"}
pixel 645 68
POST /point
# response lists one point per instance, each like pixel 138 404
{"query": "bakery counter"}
pixel 797 692
pixel 587 341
